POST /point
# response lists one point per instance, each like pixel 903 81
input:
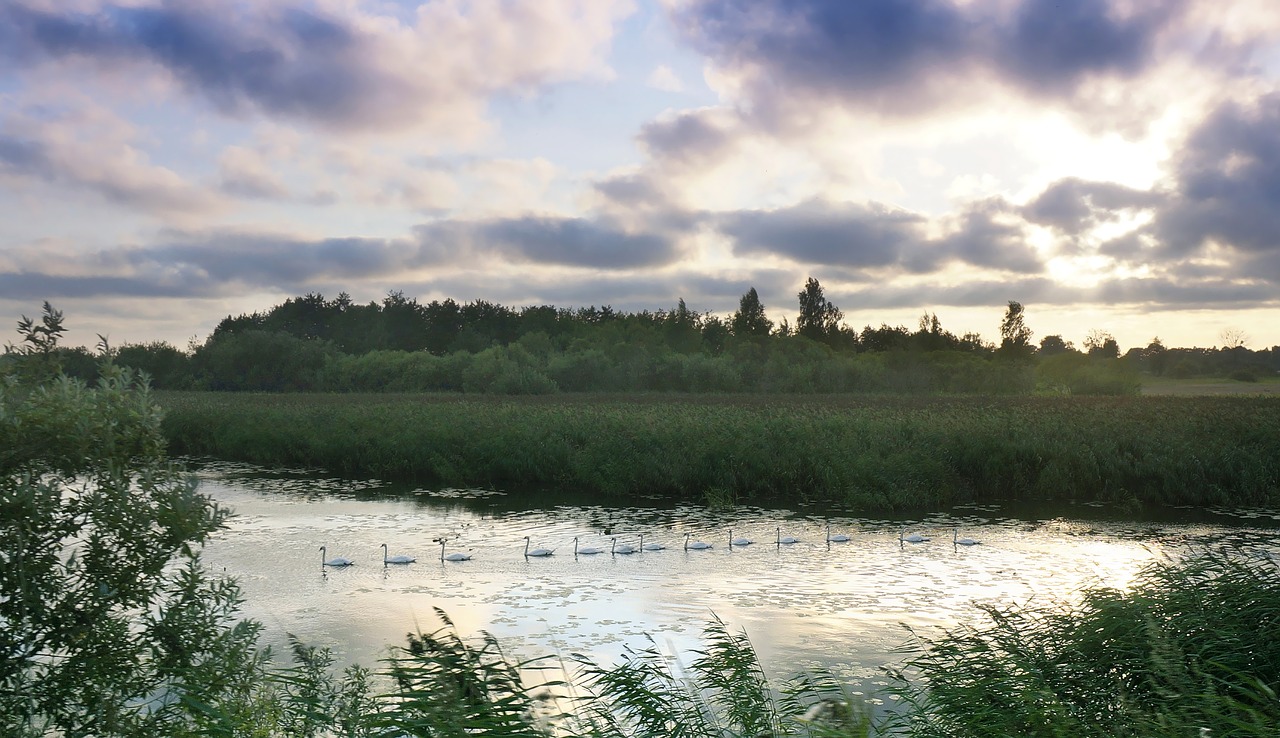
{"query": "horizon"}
pixel 1109 165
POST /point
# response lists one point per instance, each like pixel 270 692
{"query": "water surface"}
pixel 843 606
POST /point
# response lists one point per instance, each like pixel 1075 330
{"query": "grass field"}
pixel 872 453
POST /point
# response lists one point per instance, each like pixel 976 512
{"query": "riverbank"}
pixel 869 453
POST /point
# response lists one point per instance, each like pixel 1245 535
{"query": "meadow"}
pixel 865 452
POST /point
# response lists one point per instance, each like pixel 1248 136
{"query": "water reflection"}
pixel 839 605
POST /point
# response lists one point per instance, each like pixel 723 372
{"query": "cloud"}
pixel 223 261
pixel 1227 183
pixel 664 78
pixel 243 172
pixel 695 138
pixel 328 65
pixel 904 56
pixel 817 232
pixel 985 236
pixel 876 237
pixel 89 149
pixel 1073 206
pixel 576 242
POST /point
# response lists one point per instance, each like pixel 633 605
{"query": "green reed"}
pixel 1195 644
pixel 874 453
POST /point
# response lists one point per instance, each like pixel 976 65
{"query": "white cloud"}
pixel 664 78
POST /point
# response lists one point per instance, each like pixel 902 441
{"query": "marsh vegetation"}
pixel 868 453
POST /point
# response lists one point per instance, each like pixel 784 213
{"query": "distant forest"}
pixel 314 344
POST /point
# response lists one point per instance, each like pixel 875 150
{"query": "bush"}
pixel 110 622
pixel 1244 375
pixel 261 361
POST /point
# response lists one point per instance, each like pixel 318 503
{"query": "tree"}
pixel 750 320
pixel 110 623
pixel 1015 336
pixel 1053 345
pixel 819 319
pixel 1101 344
pixel 683 328
pixel 1233 338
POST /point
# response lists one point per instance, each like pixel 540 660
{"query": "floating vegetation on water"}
pixel 454 493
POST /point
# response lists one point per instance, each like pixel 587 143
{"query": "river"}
pixel 850 607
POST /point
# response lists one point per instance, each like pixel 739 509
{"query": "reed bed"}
pixel 879 453
pixel 1192 649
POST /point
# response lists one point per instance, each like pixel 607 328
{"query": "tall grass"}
pixel 879 453
pixel 1195 644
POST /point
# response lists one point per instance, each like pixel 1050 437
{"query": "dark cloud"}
pixel 1052 45
pixel 1073 205
pixel 292 62
pixel 1131 247
pixel 830 47
pixel 857 236
pixel 627 190
pixel 816 232
pixel 572 242
pixel 278 261
pixel 1227 184
pixel 19 155
pixel 895 55
pixel 983 240
pixel 690 138
pixel 35 286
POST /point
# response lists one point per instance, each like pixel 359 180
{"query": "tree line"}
pixel 311 343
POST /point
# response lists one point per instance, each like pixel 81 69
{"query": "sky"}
pixel 1113 165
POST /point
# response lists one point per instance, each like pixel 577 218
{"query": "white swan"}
pixel 785 539
pixel 913 538
pixel 585 550
pixel 625 548
pixel 739 541
pixel 955 538
pixel 695 545
pixel 650 546
pixel 536 551
pixel 338 561
pixel 395 559
pixel 452 556
pixel 837 538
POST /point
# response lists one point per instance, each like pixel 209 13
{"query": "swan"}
pixel 650 546
pixel 536 551
pixel 913 538
pixel 338 561
pixel 452 556
pixel 695 545
pixel 837 538
pixel 395 559
pixel 955 533
pixel 785 539
pixel 625 548
pixel 586 549
pixel 739 541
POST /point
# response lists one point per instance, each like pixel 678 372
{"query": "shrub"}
pixel 109 619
